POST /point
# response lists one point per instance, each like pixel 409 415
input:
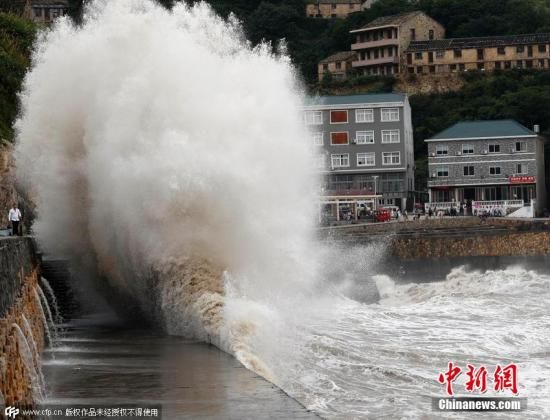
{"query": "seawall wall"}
pixel 22 322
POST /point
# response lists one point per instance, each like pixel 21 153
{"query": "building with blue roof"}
pixel 365 149
pixel 487 165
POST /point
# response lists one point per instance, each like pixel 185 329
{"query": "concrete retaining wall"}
pixel 19 275
pixel 501 245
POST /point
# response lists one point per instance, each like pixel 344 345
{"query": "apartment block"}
pixel 364 145
pixel 486 164
pixel 484 54
pixel 381 43
pixel 45 11
pixel 332 8
pixel 338 65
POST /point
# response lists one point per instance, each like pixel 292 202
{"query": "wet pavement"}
pixel 98 364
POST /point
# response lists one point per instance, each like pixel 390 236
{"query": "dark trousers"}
pixel 15 227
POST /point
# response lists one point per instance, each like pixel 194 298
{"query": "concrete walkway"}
pixel 99 366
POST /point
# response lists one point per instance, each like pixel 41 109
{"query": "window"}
pixel 468 171
pixel 37 12
pixel 480 54
pixel 497 65
pixel 334 6
pixel 494 170
pixel 501 50
pixel 364 137
pixel 364 115
pixel 494 148
pixel 390 114
pixel 338 117
pixel 391 158
pixel 442 171
pixel 338 65
pixel 431 34
pixel 521 146
pixel 418 56
pixel 439 54
pixel 313 117
pixel 467 149
pixel 390 136
pixel 339 138
pixel 542 48
pixel 325 66
pixel 413 34
pixel 520 48
pixel 340 160
pixel 441 150
pixel 317 139
pixel 457 53
pixel 365 159
pixel 461 66
pixel 521 168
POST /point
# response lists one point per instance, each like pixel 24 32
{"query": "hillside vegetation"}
pixel 16 38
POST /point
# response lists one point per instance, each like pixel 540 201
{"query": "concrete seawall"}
pixel 22 328
pixel 452 237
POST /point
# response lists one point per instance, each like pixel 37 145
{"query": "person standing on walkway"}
pixel 14 216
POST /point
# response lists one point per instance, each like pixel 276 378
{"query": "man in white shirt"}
pixel 14 216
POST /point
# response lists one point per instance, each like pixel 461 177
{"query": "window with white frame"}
pixel 442 171
pixel 467 149
pixel 391 158
pixel 338 117
pixel 365 159
pixel 340 160
pixel 521 168
pixel 441 150
pixel 390 114
pixel 390 136
pixel 364 115
pixel 494 170
pixel 521 146
pixel 313 117
pixel 317 138
pixel 364 137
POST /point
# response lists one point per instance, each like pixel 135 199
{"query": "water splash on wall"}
pixel 58 319
pixel 27 357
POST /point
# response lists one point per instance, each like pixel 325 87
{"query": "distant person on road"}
pixel 14 216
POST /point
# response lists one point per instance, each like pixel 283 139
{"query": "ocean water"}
pixel 382 360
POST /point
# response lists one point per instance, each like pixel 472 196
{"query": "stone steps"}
pixel 58 274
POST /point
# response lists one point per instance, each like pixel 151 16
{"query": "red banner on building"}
pixel 521 179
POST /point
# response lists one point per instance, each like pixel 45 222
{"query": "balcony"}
pixel 374 44
pixel 465 181
pixel 376 61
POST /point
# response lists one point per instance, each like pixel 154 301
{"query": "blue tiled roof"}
pixel 483 129
pixel 354 99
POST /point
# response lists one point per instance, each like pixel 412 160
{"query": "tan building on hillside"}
pixel 485 54
pixel 337 65
pixel 381 43
pixel 332 8
pixel 45 11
